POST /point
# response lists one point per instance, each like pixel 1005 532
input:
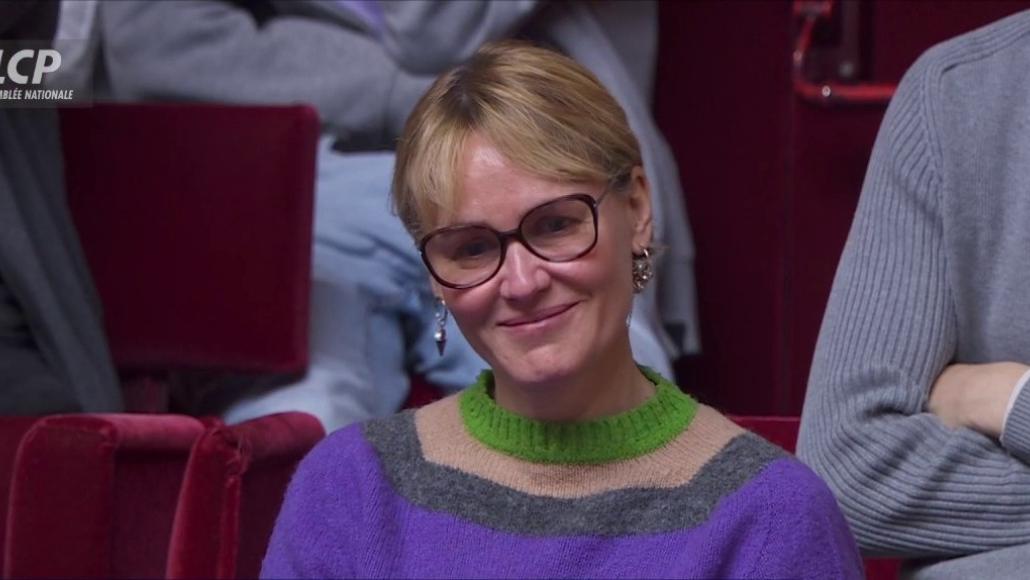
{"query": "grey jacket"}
pixel 53 353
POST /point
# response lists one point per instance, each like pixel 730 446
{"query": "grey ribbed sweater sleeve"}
pixel 215 51
pixel 908 299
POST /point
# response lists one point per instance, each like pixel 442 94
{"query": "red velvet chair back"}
pixel 233 487
pixel 196 222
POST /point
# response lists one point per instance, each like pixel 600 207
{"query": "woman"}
pixel 521 180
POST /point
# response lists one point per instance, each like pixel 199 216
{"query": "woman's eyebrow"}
pixel 584 190
pixel 458 224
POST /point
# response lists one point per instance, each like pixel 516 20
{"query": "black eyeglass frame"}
pixel 515 234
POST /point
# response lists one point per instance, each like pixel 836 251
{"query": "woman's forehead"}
pixel 503 201
pixel 487 177
pixel 490 189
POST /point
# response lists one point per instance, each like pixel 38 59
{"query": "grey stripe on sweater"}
pixel 936 270
pixel 611 513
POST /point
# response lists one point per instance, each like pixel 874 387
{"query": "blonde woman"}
pixel 522 184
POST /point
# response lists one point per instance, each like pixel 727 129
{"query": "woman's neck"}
pixel 607 386
pixel 633 433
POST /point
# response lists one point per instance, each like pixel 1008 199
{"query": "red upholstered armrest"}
pixel 12 430
pixel 231 494
pixel 196 222
pixel 94 495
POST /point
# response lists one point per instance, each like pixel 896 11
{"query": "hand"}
pixel 975 395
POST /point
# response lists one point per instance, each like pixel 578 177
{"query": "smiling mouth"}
pixel 539 316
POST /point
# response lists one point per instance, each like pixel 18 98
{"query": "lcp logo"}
pixel 26 62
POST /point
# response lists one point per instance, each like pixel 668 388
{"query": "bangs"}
pixel 543 112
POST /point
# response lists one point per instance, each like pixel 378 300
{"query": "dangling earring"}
pixel 440 336
pixel 643 270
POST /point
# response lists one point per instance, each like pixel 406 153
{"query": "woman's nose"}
pixel 523 274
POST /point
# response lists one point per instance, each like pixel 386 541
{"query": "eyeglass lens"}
pixel 559 231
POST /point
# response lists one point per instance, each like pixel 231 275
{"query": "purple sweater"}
pixel 461 488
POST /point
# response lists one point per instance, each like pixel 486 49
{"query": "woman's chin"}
pixel 540 368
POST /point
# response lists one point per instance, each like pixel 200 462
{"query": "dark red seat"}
pixel 94 495
pixel 12 429
pixel 234 484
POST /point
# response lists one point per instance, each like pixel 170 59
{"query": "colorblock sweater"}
pixel 463 488
pixel 936 271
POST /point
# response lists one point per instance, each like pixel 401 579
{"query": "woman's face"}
pixel 538 322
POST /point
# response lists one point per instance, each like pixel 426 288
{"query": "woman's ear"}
pixel 640 210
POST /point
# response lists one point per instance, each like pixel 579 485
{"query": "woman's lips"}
pixel 538 318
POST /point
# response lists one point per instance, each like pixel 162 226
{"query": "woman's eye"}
pixel 471 250
pixel 554 225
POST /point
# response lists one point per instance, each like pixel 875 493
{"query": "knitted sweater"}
pixel 463 488
pixel 935 271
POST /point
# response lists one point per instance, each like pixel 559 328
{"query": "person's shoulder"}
pixel 739 446
pixel 780 486
pixel 1003 44
pixel 339 450
pixel 354 446
pixel 789 482
pixel 803 529
pixel 773 471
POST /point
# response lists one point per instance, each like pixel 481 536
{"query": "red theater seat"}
pixel 95 495
pixel 231 494
pixel 12 430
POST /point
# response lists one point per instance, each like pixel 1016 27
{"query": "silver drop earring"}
pixel 643 270
pixel 440 336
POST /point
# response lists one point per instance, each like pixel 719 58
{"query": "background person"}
pixel 53 351
pixel 916 413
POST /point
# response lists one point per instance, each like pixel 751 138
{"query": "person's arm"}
pixel 205 50
pixel 909 484
pixel 977 396
pixel 429 36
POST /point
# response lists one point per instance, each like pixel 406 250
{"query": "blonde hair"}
pixel 543 111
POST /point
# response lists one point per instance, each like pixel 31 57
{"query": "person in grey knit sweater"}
pixel 916 413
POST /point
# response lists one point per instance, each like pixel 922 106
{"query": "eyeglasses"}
pixel 560 230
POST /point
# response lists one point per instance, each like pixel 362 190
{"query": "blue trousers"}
pixel 372 312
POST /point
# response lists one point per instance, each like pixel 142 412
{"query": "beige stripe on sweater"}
pixel 445 441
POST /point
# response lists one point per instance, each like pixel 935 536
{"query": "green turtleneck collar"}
pixel 631 434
